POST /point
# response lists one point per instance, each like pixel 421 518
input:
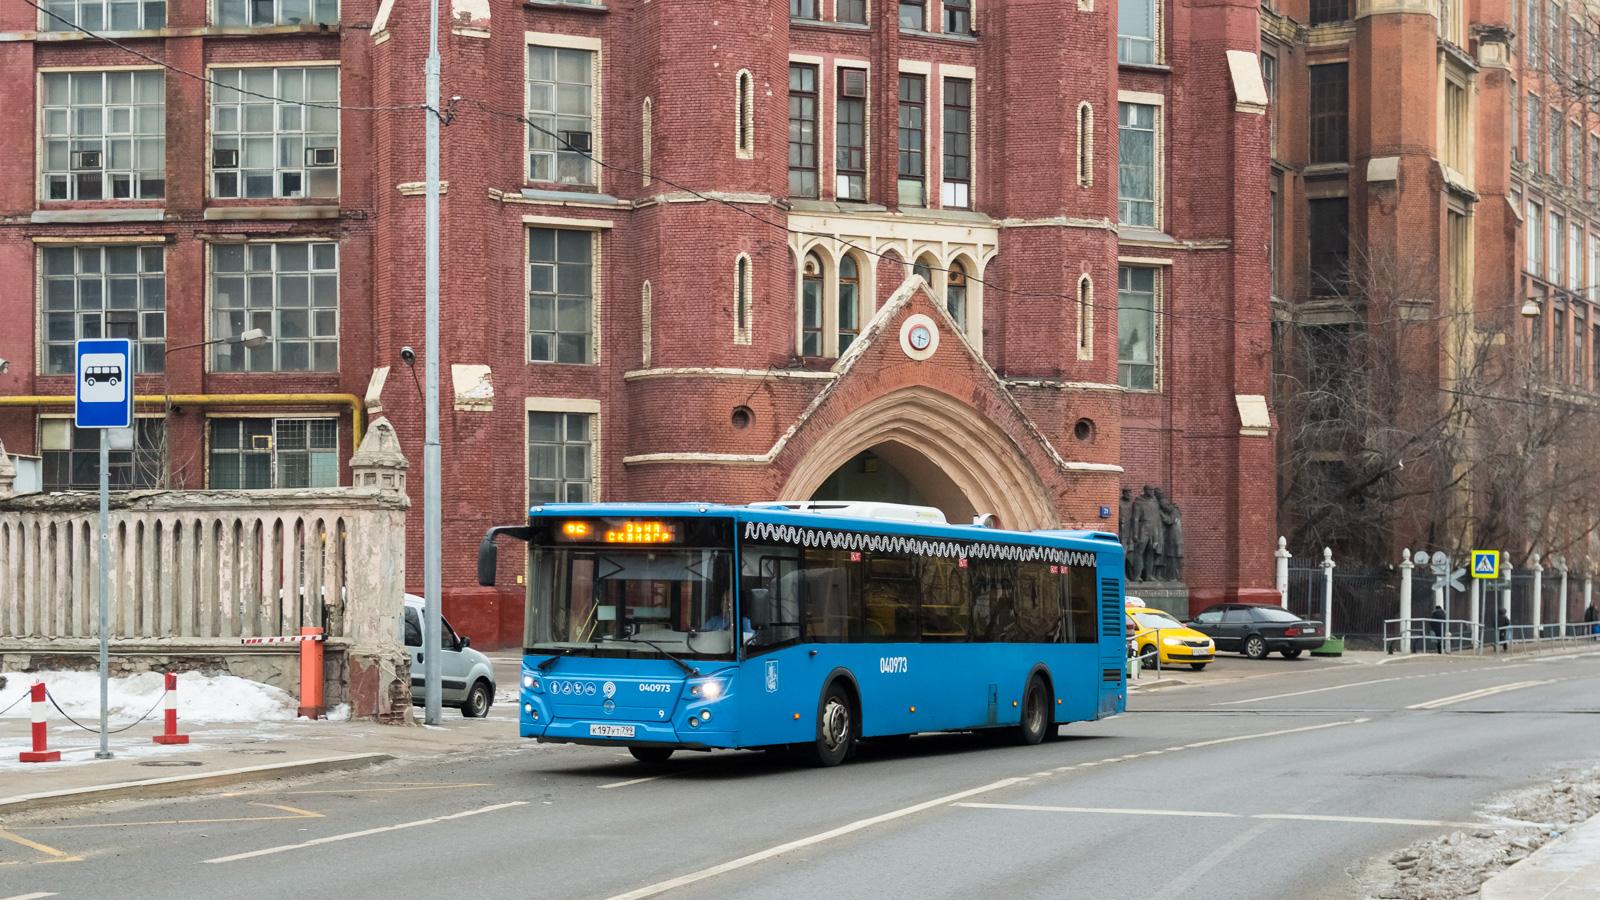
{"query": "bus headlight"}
pixel 712 690
pixel 530 682
pixel 705 715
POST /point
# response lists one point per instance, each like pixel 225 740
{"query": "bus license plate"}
pixel 622 731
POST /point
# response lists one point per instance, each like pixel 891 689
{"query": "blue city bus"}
pixel 810 626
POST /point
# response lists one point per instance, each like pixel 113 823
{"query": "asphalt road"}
pixel 1268 787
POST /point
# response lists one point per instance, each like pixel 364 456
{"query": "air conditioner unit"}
pixel 581 141
pixel 88 159
pixel 261 442
pixel 852 83
pixel 322 156
pixel 225 159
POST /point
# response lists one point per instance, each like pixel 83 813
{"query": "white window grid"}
pixel 273 454
pixel 560 109
pixel 561 295
pixel 1138 24
pixel 1139 164
pixel 257 13
pixel 560 457
pixel 115 291
pixel 71 456
pixel 262 148
pixel 104 135
pixel 101 15
pixel 290 290
pixel 1138 328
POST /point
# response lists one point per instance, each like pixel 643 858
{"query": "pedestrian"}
pixel 1436 627
pixel 1505 627
pixel 1592 617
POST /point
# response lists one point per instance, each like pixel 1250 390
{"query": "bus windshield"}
pixel 633 601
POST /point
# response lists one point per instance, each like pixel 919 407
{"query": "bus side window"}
pixel 891 597
pixel 946 603
pixel 832 608
pixel 770 585
pixel 994 600
pixel 1038 606
pixel 1081 617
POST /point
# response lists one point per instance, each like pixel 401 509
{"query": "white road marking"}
pixel 1088 809
pixel 662 887
pixel 617 784
pixel 369 831
pixel 1312 691
pixel 29 896
pixel 1370 820
pixel 1474 695
pixel 1248 737
pixel 1207 814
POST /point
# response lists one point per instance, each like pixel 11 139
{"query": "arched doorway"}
pixel 927 445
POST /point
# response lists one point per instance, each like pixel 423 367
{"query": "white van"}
pixel 467 677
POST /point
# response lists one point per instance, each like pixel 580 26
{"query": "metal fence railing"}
pixel 1428 635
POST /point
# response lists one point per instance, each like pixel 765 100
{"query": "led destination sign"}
pixel 649 532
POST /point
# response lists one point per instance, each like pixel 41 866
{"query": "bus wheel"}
pixel 836 730
pixel 1035 714
pixel 651 754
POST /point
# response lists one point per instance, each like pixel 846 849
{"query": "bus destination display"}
pixel 651 532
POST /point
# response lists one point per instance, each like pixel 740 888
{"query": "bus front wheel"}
pixel 1035 714
pixel 651 754
pixel 836 730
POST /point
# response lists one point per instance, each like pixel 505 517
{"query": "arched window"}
pixel 955 294
pixel 741 300
pixel 924 267
pixel 811 307
pixel 744 115
pixel 644 153
pixel 1085 317
pixel 644 324
pixel 1085 144
pixel 849 303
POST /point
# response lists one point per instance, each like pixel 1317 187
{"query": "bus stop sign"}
pixel 1485 564
pixel 105 384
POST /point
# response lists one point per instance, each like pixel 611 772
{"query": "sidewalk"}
pixel 225 753
pixel 1567 868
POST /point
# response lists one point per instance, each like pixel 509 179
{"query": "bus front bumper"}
pixel 614 733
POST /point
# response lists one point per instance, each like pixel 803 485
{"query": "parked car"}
pixel 467 676
pixel 1178 643
pixel 1256 629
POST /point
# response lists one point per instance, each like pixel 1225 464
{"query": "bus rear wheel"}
pixel 836 730
pixel 1035 714
pixel 651 754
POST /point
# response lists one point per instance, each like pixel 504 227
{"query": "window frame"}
pixel 592 344
pixel 313 9
pixel 743 298
pixel 841 149
pixel 1320 286
pixel 1154 12
pixel 861 4
pixel 1328 129
pixel 1156 331
pixel 800 121
pixel 744 115
pixel 566 409
pixel 144 347
pixel 272 452
pixel 249 279
pixel 907 157
pixel 596 172
pixel 956 18
pixel 1126 101
pixel 147 428
pixel 1085 118
pixel 962 198
pixel 900 14
pixel 1085 342
pixel 44 172
pixel 797 10
pixel 214 135
pixel 143 10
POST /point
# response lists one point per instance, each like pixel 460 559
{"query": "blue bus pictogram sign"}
pixel 105 385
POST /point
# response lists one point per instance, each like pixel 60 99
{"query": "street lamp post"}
pixel 252 338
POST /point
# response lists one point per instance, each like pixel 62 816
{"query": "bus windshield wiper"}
pixel 548 664
pixel 681 664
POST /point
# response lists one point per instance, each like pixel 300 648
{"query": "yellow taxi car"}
pixel 1180 644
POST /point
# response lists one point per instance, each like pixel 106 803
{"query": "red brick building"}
pixel 988 255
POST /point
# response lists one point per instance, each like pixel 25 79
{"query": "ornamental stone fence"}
pixel 193 573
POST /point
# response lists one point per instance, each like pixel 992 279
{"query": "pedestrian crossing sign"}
pixel 1485 564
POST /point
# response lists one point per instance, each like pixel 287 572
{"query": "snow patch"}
pixel 201 698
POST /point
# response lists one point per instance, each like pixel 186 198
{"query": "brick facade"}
pixel 663 428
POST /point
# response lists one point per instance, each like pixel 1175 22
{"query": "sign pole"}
pixel 105 590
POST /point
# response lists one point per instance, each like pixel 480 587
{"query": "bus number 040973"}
pixel 890 665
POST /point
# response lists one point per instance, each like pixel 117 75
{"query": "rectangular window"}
pixel 1458 239
pixel 1558 345
pixel 1329 233
pixel 1557 137
pixel 1533 33
pixel 559 454
pixel 104 136
pixel 1136 164
pixel 1330 113
pixel 71 457
pixel 850 142
pixel 911 182
pixel 1269 80
pixel 103 15
pixel 560 115
pixel 1592 289
pixel 1136 328
pixel 1516 140
pixel 1555 246
pixel 275 12
pixel 1575 153
pixel 1276 238
pixel 853 12
pixel 289 290
pixel 913 15
pixel 1595 343
pixel 1329 11
pixel 1580 330
pixel 956 192
pixel 802 131
pixel 118 291
pixel 263 454
pixel 1533 233
pixel 1574 258
pixel 957 16
pixel 1535 125
pixel 1455 126
pixel 275 148
pixel 560 295
pixel 1136 31
pixel 803 9
pixel 1553 52
pixel 1594 168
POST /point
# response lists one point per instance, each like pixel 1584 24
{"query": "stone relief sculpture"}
pixel 1152 536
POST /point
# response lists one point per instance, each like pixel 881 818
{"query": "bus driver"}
pixel 719 622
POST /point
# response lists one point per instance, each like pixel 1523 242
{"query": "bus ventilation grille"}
pixel 1110 608
pixel 1111 676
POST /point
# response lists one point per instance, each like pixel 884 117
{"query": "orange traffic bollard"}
pixel 39 753
pixel 172 736
pixel 311 673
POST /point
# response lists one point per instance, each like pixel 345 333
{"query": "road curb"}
pixel 183 784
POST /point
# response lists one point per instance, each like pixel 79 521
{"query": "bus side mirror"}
pixel 489 554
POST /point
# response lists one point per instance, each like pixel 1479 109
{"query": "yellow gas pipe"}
pixel 350 400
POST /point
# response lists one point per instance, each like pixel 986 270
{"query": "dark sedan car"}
pixel 1256 629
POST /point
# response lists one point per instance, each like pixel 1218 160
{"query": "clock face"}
pixel 920 337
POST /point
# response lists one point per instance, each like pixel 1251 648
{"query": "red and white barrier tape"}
pixel 288 639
